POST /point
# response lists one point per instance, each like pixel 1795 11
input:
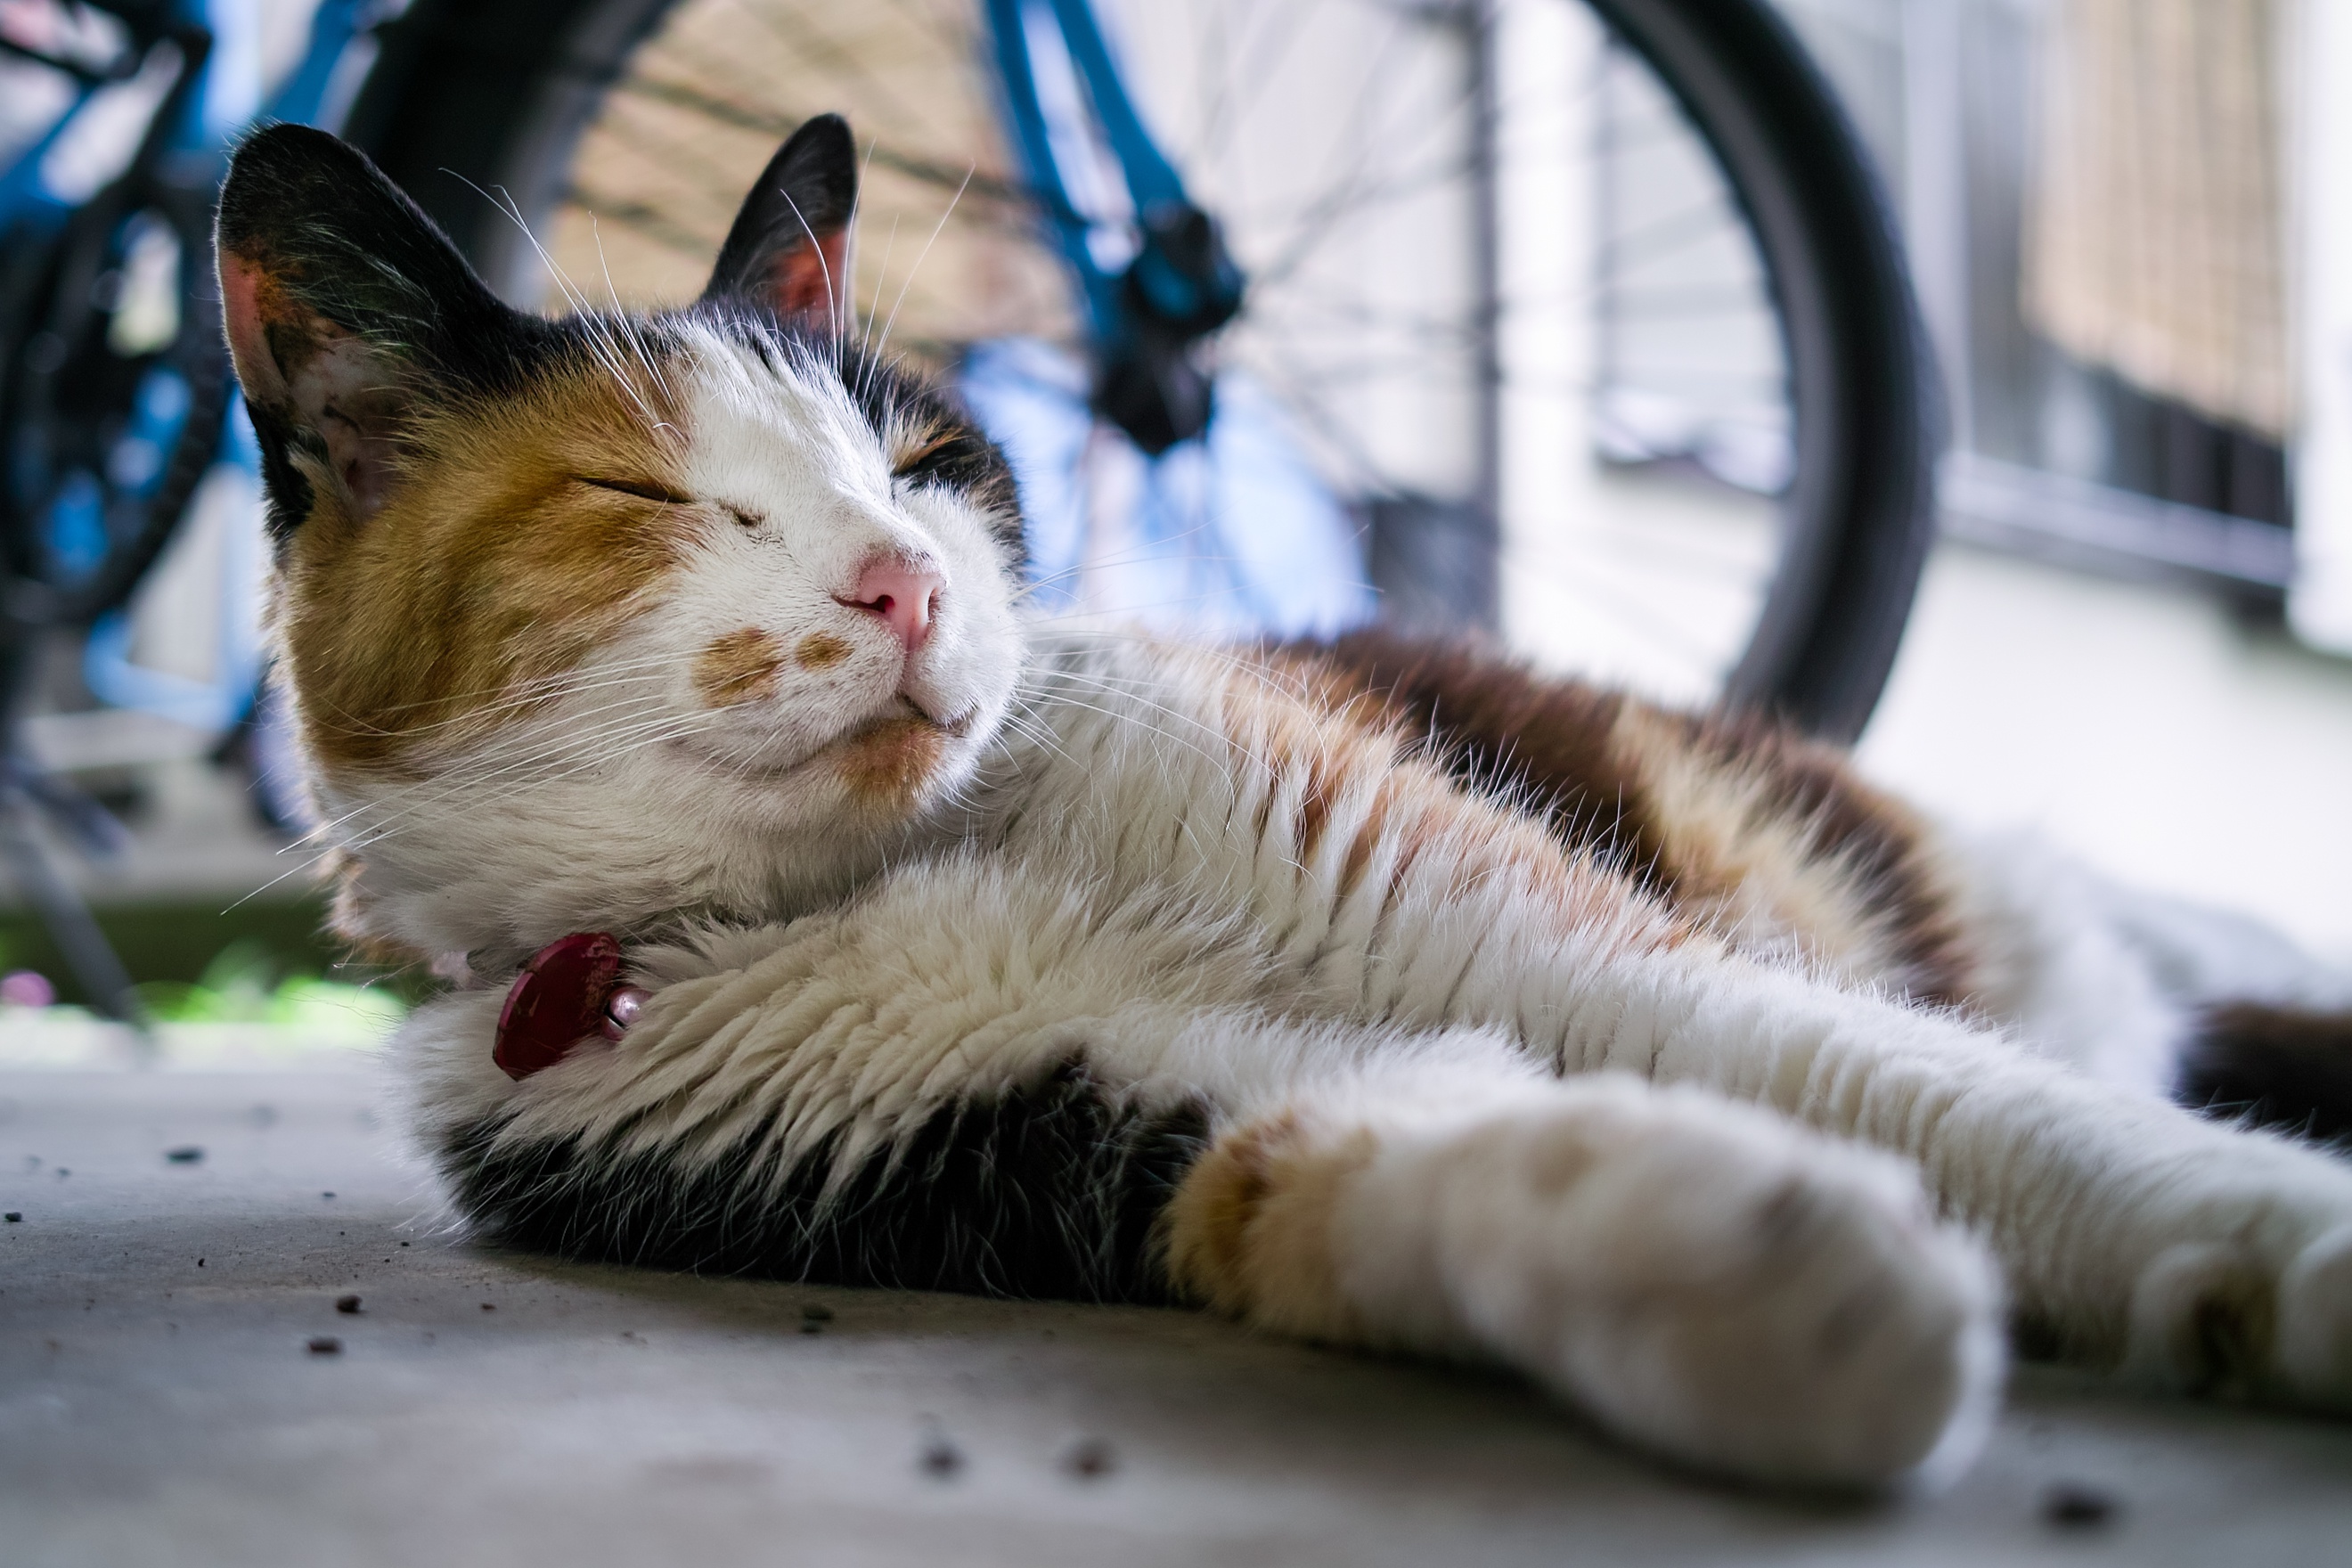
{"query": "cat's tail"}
pixel 2274 1065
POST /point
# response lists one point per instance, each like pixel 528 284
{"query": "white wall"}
pixel 2321 229
pixel 2143 728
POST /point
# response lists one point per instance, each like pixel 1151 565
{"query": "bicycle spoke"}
pixel 783 123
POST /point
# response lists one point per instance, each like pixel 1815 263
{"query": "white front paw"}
pixel 2314 1323
pixel 2220 1319
pixel 1745 1298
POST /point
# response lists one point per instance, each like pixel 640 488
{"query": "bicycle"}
pixel 115 390
pixel 1337 312
pixel 1799 615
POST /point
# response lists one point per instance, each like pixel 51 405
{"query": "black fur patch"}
pixel 808 189
pixel 962 458
pixel 337 239
pixel 2277 1067
pixel 1045 1192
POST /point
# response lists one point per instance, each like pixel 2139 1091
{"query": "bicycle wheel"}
pixel 1593 313
pixel 116 390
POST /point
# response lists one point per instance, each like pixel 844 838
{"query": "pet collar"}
pixel 568 990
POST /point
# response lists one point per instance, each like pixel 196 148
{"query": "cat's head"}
pixel 589 619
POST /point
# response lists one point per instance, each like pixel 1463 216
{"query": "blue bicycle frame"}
pixel 218 93
pixel 227 100
pixel 1233 527
pixel 1061 86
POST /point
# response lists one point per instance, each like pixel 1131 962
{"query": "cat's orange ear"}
pixel 789 249
pixel 343 306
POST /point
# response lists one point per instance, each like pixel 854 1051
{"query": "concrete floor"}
pixel 159 1404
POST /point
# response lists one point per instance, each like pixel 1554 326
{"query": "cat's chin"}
pixel 891 762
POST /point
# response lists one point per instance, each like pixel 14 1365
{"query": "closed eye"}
pixel 641 489
pixel 913 458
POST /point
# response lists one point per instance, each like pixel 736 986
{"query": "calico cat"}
pixel 813 913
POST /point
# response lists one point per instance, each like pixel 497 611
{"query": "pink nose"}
pixel 902 592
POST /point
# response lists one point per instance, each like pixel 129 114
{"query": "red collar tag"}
pixel 568 991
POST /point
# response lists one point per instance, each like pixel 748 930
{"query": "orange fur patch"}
pixel 1739 827
pixel 738 667
pixel 1360 808
pixel 910 441
pixel 491 571
pixel 1248 1233
pixel 1771 838
pixel 886 765
pixel 819 650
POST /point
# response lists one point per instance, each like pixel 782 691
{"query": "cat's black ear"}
pixel 344 305
pixel 789 250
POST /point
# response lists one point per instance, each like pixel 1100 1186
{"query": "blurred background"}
pixel 1519 348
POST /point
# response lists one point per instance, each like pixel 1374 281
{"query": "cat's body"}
pixel 1377 994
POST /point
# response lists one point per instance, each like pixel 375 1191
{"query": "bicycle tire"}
pixel 468 98
pixel 197 354
pixel 1859 526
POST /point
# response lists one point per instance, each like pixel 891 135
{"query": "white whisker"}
pixel 831 310
pixel 936 229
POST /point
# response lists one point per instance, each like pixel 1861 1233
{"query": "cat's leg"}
pixel 2133 1231
pixel 1701 1276
pixel 968 1081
